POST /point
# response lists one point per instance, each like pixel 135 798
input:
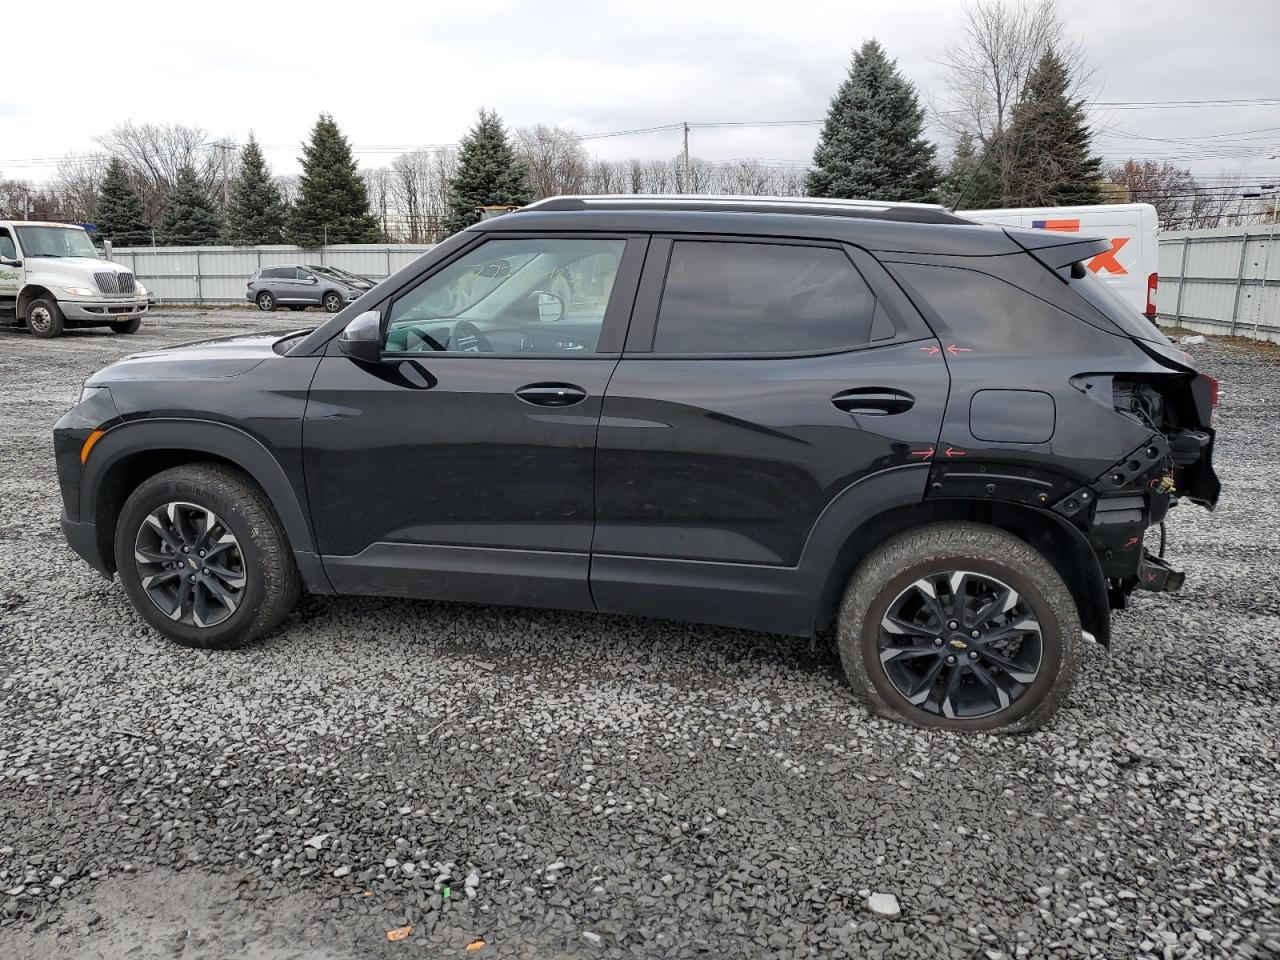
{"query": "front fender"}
pixel 222 441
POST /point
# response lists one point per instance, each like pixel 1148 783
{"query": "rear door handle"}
pixel 873 401
pixel 552 394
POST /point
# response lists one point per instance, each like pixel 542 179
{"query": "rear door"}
pixel 760 381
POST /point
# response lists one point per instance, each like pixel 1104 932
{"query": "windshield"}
pixel 56 242
pixel 1115 308
pixel 341 274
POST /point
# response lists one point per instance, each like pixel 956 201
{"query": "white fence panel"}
pixel 219 274
pixel 1225 280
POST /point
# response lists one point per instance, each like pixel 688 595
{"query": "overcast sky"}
pixel 400 75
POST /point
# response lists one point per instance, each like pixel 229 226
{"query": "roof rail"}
pixel 811 206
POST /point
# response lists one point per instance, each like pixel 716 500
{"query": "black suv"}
pixel 946 440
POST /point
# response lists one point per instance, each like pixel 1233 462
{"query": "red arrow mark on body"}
pixel 953 452
pixel 1132 541
pixel 923 454
pixel 932 351
pixel 956 351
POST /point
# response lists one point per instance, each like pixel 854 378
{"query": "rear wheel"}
pixel 332 302
pixel 204 558
pixel 44 319
pixel 126 326
pixel 266 301
pixel 960 626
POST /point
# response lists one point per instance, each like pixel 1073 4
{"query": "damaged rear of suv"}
pixel 947 441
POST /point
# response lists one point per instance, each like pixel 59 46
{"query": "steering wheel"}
pixel 467 338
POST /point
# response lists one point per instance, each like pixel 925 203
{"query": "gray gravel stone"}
pixel 675 790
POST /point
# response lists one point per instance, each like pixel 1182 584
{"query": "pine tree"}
pixel 120 217
pixel 971 182
pixel 1051 162
pixel 257 212
pixel 189 218
pixel 872 144
pixel 489 174
pixel 333 202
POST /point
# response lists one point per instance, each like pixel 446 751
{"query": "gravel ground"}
pixel 562 785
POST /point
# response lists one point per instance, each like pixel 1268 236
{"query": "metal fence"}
pixel 218 274
pixel 1225 281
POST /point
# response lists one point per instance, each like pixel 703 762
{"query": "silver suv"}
pixel 299 286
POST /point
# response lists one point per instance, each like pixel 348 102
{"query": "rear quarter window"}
pixel 1115 308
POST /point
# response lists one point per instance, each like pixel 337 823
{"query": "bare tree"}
pixel 999 44
pixel 155 152
pixel 1166 186
pixel 557 163
pixel 77 180
pixel 377 182
pixel 288 184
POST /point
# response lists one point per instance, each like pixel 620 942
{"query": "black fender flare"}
pixel 221 440
pixel 890 501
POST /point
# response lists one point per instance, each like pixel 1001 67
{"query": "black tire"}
pixel 44 318
pixel 991 557
pixel 265 301
pixel 271 583
pixel 296 309
pixel 126 326
pixel 331 301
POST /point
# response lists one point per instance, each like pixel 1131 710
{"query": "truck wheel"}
pixel 126 326
pixel 960 626
pixel 204 558
pixel 332 302
pixel 44 319
pixel 266 301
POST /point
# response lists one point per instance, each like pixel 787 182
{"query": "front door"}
pixel 10 276
pixel 461 467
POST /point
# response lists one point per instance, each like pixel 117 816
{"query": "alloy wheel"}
pixel 332 303
pixel 960 645
pixel 190 564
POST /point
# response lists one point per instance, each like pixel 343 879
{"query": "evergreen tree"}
pixel 1051 162
pixel 489 174
pixel 189 218
pixel 971 182
pixel 257 212
pixel 872 144
pixel 333 202
pixel 120 217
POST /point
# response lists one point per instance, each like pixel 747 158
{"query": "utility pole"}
pixel 225 146
pixel 684 184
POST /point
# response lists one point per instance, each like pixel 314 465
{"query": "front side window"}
pixel 7 248
pixel 544 296
pixel 727 298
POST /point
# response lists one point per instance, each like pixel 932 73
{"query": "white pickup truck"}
pixel 51 278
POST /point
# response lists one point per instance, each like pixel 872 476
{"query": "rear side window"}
pixel 277 273
pixel 1116 309
pixel 727 298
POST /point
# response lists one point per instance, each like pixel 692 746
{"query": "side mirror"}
pixel 9 262
pixel 361 339
pixel 550 306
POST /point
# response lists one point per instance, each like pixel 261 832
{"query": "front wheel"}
pixel 960 626
pixel 204 558
pixel 45 319
pixel 126 326
pixel 266 301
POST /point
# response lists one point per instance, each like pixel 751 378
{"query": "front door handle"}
pixel 552 394
pixel 873 401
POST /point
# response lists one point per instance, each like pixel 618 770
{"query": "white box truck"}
pixel 1130 267
pixel 51 278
